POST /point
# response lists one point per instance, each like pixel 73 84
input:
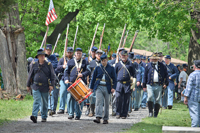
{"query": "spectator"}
pixel 182 81
pixel 192 97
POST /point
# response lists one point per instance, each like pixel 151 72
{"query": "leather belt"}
pixel 102 84
pixel 124 82
pixel 38 83
pixel 101 79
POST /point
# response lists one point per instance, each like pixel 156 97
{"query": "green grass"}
pixel 13 110
pixel 178 116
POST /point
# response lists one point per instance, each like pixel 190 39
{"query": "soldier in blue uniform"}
pixel 138 87
pixel 42 76
pixel 124 70
pixel 112 58
pixel 57 56
pixel 112 62
pixel 29 60
pixel 63 87
pixel 93 57
pixel 103 82
pixel 132 97
pixel 92 66
pixel 84 55
pixel 155 78
pixel 172 74
pixel 54 98
pixel 76 67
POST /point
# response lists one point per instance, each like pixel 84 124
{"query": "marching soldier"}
pixel 124 70
pixel 92 65
pixel 42 75
pixel 93 57
pixel 103 82
pixel 54 98
pixel 112 62
pixel 76 68
pixel 132 59
pixel 57 56
pixel 155 78
pixel 172 74
pixel 63 87
pixel 138 86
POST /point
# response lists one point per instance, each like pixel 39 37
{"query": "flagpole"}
pixel 46 38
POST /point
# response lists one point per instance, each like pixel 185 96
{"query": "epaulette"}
pixel 49 63
pixel 146 65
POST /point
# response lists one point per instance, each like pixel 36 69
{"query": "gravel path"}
pixel 61 124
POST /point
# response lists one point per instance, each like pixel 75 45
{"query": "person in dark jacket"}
pixel 103 82
pixel 155 78
pixel 42 76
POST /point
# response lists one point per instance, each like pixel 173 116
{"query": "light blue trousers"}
pixel 194 109
pixel 154 93
pixel 40 99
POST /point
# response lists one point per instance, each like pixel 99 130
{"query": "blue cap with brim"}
pixel 124 52
pixel 78 49
pixel 104 56
pixel 197 63
pixel 94 49
pixel 114 55
pixel 70 49
pixel 168 57
pixel 49 46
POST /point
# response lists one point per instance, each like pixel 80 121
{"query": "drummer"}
pixel 76 68
pixel 104 81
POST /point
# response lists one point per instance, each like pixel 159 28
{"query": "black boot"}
pixel 92 106
pixel 150 106
pixel 156 109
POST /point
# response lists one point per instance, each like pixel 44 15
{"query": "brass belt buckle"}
pixel 39 84
pixel 124 82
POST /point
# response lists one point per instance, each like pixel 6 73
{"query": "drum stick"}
pixel 78 73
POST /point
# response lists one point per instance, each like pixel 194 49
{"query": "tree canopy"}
pixel 163 24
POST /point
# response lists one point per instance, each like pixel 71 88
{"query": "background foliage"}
pixel 164 25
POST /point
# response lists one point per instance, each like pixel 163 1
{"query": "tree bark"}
pixel 194 46
pixel 61 26
pixel 13 53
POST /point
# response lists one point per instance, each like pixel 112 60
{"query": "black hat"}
pixel 160 54
pixel 40 52
pixel 144 57
pixel 131 55
pixel 124 52
pixel 78 49
pixel 99 51
pixel 94 49
pixel 185 65
pixel 70 49
pixel 154 56
pixel 197 63
pixel 120 49
pixel 49 46
pixel 104 56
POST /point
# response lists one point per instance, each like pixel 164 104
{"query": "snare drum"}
pixel 79 91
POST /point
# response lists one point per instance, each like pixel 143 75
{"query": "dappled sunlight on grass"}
pixel 177 116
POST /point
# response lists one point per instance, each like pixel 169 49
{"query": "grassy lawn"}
pixel 178 116
pixel 13 110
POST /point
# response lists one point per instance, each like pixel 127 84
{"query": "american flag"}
pixel 51 15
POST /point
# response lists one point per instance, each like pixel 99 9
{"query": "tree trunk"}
pixel 13 53
pixel 194 46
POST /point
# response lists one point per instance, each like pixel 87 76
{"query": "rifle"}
pixel 125 39
pixel 66 42
pixel 117 58
pixel 45 37
pixel 101 38
pixel 75 37
pixel 56 43
pixel 130 49
pixel 92 44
